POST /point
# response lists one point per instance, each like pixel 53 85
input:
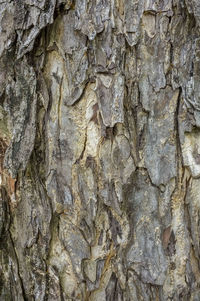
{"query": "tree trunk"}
pixel 100 150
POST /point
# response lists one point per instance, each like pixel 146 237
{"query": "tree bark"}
pixel 99 150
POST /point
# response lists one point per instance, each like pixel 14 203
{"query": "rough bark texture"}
pixel 100 150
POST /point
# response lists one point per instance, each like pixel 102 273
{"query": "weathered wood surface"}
pixel 100 150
